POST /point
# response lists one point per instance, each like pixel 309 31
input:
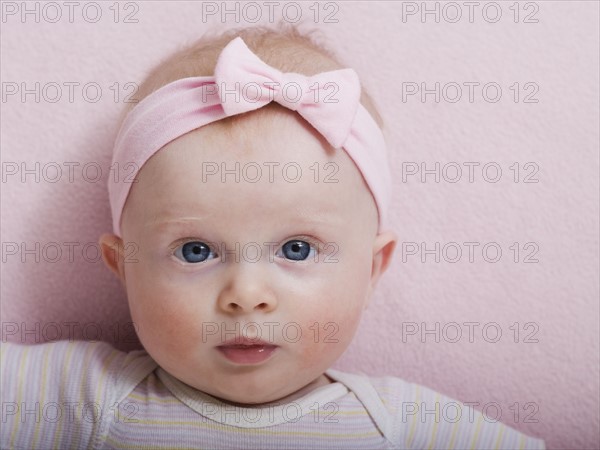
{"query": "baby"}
pixel 249 243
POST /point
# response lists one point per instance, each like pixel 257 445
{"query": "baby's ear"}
pixel 112 254
pixel 383 249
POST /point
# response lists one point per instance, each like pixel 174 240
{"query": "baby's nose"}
pixel 248 290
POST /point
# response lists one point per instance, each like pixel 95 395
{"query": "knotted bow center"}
pixel 292 90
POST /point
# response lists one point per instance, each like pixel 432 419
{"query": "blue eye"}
pixel 296 250
pixel 194 251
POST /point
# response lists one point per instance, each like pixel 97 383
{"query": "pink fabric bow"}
pixel 328 100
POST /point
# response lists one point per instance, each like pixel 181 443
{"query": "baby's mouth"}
pixel 247 351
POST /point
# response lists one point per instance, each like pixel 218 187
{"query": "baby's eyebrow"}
pixel 328 218
pixel 178 221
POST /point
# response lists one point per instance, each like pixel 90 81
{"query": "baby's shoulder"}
pixel 391 389
pixel 55 354
pixel 61 354
pixel 424 417
pixel 76 363
pixel 398 391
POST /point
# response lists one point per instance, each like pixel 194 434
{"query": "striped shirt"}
pixel 77 394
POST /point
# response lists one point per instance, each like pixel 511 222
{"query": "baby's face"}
pixel 307 250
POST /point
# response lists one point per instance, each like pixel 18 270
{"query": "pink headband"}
pixel 329 101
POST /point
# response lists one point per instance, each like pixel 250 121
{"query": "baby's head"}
pixel 252 225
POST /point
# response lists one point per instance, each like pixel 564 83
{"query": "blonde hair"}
pixel 283 47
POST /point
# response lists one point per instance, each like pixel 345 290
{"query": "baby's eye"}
pixel 296 250
pixel 193 251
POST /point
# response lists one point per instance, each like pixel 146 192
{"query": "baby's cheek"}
pixel 326 336
pixel 166 323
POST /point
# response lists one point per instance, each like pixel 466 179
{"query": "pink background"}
pixel 558 374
